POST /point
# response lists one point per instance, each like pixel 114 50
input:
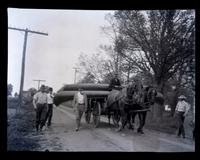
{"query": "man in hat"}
pixel 40 105
pixel 115 82
pixel 80 105
pixel 181 111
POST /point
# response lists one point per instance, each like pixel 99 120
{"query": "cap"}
pixel 42 86
pixel 182 97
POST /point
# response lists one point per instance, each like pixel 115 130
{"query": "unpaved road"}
pixel 62 137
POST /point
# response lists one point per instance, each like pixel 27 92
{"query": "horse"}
pixel 121 103
pixel 148 99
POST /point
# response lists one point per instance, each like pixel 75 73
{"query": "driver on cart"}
pixel 115 83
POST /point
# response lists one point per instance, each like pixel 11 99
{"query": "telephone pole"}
pixel 76 70
pixel 26 31
pixel 39 80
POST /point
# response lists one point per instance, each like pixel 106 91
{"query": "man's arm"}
pixel 187 109
pixel 74 101
pixel 34 102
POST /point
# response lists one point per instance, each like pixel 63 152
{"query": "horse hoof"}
pixel 119 129
pixel 141 132
pixel 130 127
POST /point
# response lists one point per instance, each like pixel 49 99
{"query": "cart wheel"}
pixel 116 118
pixel 96 114
pixel 88 116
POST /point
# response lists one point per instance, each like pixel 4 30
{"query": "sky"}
pixel 52 57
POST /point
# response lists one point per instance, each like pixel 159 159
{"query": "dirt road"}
pixel 62 137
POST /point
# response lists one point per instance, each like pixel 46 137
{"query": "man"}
pixel 80 105
pixel 115 82
pixel 181 111
pixel 40 105
pixel 50 106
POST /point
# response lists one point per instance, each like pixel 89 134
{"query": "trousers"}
pixel 49 114
pixel 180 119
pixel 79 110
pixel 41 112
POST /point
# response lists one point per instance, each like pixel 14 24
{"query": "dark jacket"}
pixel 114 82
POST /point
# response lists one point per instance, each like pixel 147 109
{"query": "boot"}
pixel 77 124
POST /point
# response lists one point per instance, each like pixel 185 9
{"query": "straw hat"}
pixel 182 97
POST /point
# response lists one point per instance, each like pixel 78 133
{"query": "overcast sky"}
pixel 52 57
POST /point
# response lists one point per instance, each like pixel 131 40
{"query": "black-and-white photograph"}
pixel 101 80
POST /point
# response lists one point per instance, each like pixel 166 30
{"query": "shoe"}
pixel 140 131
pixel 43 128
pixel 178 136
pixel 77 129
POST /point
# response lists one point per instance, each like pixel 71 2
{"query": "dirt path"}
pixel 62 137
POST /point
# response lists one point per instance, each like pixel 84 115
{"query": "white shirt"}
pixel 80 98
pixel 40 98
pixel 182 106
pixel 50 98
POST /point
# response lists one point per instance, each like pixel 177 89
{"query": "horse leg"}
pixel 142 118
pixel 133 118
pixel 123 120
pixel 129 121
pixel 109 115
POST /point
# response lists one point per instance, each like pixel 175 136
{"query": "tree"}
pixel 9 89
pixel 100 65
pixel 157 42
pixel 89 78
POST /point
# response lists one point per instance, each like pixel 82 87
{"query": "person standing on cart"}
pixel 115 83
pixel 80 105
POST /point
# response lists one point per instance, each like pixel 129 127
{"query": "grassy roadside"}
pixel 19 128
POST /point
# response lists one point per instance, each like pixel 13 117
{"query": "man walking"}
pixel 50 107
pixel 40 105
pixel 182 109
pixel 80 105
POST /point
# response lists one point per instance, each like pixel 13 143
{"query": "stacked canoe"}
pixel 67 92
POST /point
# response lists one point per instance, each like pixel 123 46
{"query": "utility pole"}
pixel 26 31
pixel 39 80
pixel 76 70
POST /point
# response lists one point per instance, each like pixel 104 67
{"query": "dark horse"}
pixel 121 103
pixel 147 99
pixel 129 102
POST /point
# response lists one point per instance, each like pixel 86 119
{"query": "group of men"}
pixel 43 105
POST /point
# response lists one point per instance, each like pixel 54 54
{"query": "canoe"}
pixel 63 96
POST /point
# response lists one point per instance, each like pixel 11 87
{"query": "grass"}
pixel 20 125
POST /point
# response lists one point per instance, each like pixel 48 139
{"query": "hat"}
pixel 42 86
pixel 182 97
